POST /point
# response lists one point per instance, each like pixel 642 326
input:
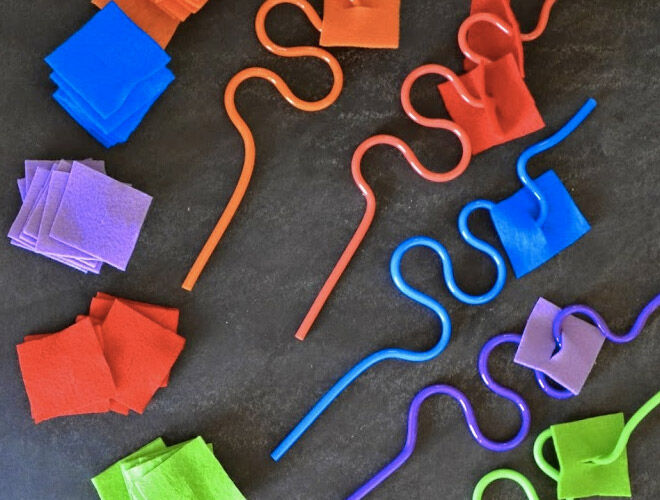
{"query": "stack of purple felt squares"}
pixel 75 214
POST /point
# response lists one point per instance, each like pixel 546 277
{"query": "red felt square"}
pixel 65 373
pixel 140 353
pixel 167 317
pixel 488 41
pixel 361 23
pixel 509 112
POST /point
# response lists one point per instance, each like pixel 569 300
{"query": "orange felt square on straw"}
pixel 158 24
pixel 174 8
pixel 65 373
pixel 361 23
pixel 487 40
pixel 509 112
pixel 140 353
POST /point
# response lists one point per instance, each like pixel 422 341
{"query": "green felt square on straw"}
pixel 191 472
pixel 110 483
pixel 576 443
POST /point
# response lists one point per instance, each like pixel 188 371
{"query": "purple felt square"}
pixel 100 216
pixel 31 167
pixel 39 179
pixel 22 189
pixel 581 343
pixel 31 228
pixel 45 243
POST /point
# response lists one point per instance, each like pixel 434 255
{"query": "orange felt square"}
pixel 140 353
pixel 361 23
pixel 65 373
pixel 174 8
pixel 509 112
pixel 487 40
pixel 158 24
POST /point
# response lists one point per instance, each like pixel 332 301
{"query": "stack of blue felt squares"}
pixel 109 74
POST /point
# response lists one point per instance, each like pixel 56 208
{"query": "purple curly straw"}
pixel 468 411
pixel 597 319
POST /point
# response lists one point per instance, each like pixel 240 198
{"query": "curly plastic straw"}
pixel 244 130
pixel 413 161
pixel 599 321
pixel 470 417
pixel 375 358
pixel 542 23
pixel 628 429
pixel 510 474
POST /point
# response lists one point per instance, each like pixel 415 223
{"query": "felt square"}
pixel 143 96
pixel 581 343
pixel 31 167
pixel 46 244
pixel 362 23
pixel 157 24
pixel 191 472
pixel 100 216
pixel 110 484
pixel 65 371
pixel 175 9
pixel 487 40
pixel 528 245
pixel 120 135
pixel 106 59
pixel 22 189
pixel 576 443
pixel 167 317
pixel 509 110
pixel 140 353
pixel 40 177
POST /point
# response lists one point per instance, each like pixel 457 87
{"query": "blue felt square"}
pixel 143 95
pixel 527 245
pixel 105 60
pixel 110 139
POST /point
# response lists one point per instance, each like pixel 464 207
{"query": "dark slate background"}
pixel 243 381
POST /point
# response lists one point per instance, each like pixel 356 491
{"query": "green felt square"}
pixel 577 442
pixel 135 468
pixel 110 484
pixel 191 472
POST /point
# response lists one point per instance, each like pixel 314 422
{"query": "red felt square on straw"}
pixel 488 41
pixel 65 373
pixel 509 111
pixel 361 23
pixel 140 353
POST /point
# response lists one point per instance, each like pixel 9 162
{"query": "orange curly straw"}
pixel 541 24
pixel 244 130
pixel 415 164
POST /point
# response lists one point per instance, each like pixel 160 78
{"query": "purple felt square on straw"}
pixel 100 216
pixel 581 343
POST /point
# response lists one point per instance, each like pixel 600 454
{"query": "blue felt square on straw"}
pixel 528 245
pixel 106 59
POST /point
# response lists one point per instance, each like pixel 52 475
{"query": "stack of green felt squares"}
pixel 159 472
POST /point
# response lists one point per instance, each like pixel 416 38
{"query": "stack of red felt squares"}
pixel 495 72
pixel 114 359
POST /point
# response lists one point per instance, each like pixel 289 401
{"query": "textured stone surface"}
pixel 242 382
